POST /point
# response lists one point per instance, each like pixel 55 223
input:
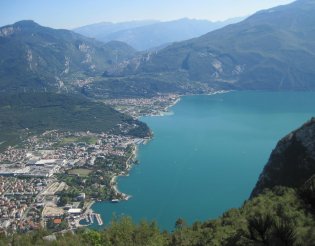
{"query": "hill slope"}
pixel 39 112
pixel 33 57
pixel 273 49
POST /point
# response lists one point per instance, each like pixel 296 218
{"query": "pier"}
pixel 99 219
pixel 91 218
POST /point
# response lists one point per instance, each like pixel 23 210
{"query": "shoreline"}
pixel 166 112
pixel 113 181
pixel 131 160
pixel 133 156
pixel 208 94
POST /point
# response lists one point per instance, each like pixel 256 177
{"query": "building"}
pixel 75 211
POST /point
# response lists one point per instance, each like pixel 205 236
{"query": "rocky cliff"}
pixel 292 162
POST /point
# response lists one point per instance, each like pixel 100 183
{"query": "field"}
pixel 83 172
pixel 87 139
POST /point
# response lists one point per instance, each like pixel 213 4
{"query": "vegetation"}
pixel 95 185
pixel 85 139
pixel 39 112
pixel 270 50
pixel 68 196
pixel 52 226
pixel 82 172
pixel 276 217
pixel 94 180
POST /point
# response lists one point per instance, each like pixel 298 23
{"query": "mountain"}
pixel 292 162
pixel 102 29
pixel 34 57
pixel 151 35
pixel 273 49
pixel 39 112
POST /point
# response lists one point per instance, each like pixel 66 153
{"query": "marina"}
pixel 88 219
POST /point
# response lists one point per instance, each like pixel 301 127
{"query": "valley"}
pixel 84 159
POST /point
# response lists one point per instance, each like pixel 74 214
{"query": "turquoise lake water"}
pixel 206 157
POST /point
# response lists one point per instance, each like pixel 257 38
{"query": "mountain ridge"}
pixel 34 57
pixel 154 34
pixel 270 50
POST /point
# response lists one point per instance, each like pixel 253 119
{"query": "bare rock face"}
pixel 292 162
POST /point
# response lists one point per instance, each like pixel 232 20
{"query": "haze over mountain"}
pixel 34 57
pixel 144 35
pixel 273 50
pixel 102 29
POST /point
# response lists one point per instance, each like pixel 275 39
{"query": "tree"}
pixel 285 232
pixel 259 227
pixel 180 223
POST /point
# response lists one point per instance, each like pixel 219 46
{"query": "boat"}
pixel 114 200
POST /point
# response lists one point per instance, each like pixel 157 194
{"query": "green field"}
pixel 83 172
pixel 85 139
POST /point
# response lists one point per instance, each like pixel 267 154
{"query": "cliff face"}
pixel 292 162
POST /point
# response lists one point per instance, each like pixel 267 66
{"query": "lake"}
pixel 206 157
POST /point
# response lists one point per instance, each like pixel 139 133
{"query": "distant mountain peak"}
pixel 26 24
pixel 9 30
pixel 146 35
pixel 270 50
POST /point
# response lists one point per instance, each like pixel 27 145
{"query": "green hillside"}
pixel 39 112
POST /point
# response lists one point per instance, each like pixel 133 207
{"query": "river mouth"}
pixel 206 157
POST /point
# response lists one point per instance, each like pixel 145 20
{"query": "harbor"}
pixel 88 219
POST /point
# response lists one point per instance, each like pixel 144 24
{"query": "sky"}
pixel 74 13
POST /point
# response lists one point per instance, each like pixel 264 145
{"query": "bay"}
pixel 206 157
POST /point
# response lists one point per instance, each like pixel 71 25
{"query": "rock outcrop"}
pixel 292 162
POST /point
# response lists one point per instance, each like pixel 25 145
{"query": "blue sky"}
pixel 75 13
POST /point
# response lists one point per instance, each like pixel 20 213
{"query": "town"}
pixel 137 107
pixel 52 181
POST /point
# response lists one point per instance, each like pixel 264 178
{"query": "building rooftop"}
pixel 75 210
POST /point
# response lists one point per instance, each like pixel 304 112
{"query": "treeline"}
pixel 281 216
